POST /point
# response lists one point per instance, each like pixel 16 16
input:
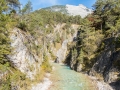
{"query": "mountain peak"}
pixel 71 9
pixel 81 5
pixel 78 10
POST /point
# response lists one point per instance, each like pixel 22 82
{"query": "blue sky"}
pixel 37 4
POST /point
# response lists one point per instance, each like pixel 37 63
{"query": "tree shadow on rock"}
pixel 115 85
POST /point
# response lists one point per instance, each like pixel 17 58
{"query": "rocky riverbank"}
pixel 43 85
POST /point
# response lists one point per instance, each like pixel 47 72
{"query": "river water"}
pixel 64 78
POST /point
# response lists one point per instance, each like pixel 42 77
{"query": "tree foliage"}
pixel 4 33
pixel 13 5
pixel 103 23
pixel 107 16
pixel 27 8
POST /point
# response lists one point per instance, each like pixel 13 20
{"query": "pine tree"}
pixel 81 56
pixel 4 33
pixel 107 14
pixel 27 8
pixel 13 5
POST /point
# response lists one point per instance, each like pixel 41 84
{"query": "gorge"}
pixel 84 43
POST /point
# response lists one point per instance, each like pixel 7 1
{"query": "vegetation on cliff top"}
pixel 102 24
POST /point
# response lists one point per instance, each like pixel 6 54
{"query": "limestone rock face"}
pixel 23 58
pixel 78 10
pixel 79 67
pixel 105 66
pixel 62 52
pixel 105 62
pixel 27 59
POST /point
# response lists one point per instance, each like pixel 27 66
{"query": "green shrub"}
pixel 22 25
pixel 46 65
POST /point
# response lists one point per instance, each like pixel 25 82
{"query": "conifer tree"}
pixel 4 33
pixel 27 8
pixel 106 14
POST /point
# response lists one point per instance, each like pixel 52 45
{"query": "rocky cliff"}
pixel 105 64
pixel 23 57
pixel 26 55
pixel 62 52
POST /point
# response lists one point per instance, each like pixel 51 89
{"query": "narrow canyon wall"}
pixel 22 57
pixel 27 59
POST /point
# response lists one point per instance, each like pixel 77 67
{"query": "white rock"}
pixel 61 53
pixel 44 85
pixel 21 56
pixel 78 10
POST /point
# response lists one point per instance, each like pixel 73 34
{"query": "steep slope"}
pixel 100 60
pixel 23 57
pixel 107 64
pixel 71 9
pixel 57 8
pixel 30 53
pixel 62 52
pixel 96 50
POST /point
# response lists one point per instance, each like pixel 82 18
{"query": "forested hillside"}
pixel 96 49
